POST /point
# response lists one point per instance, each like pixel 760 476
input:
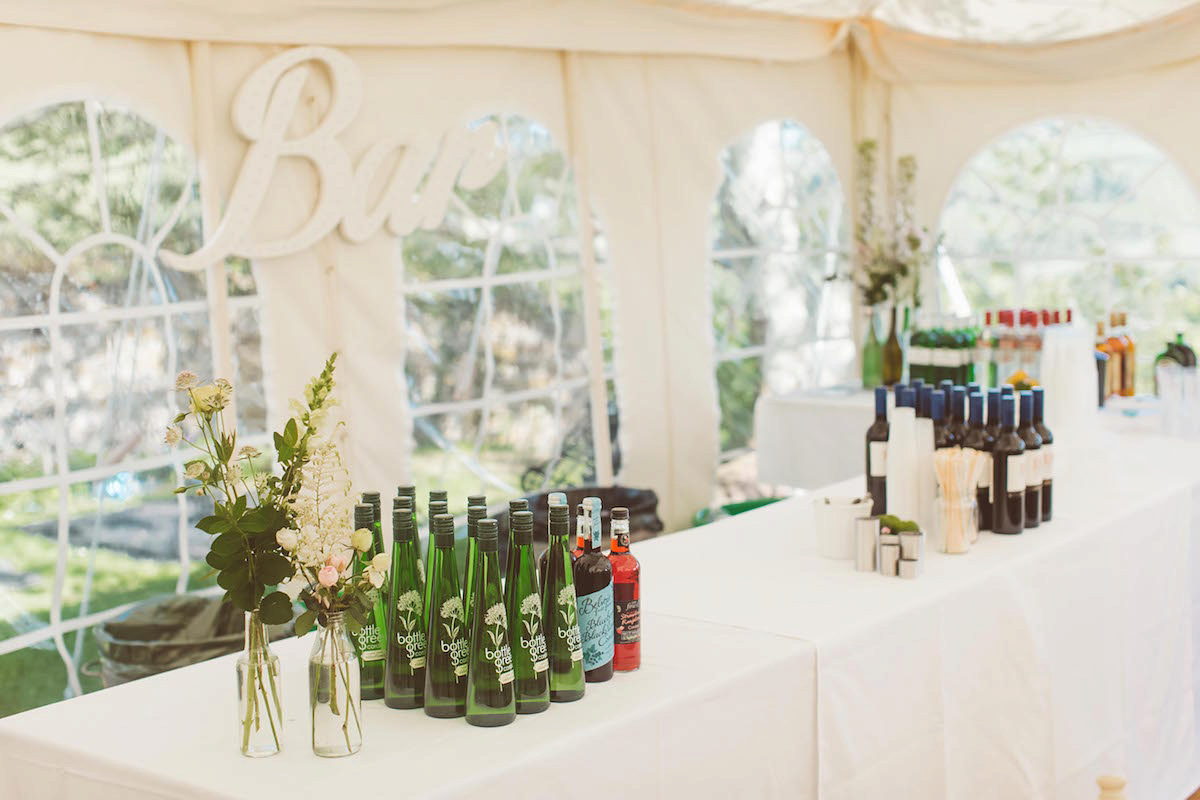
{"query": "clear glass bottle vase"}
pixel 260 721
pixel 333 687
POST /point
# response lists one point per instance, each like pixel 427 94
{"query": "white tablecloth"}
pixel 812 438
pixel 1025 668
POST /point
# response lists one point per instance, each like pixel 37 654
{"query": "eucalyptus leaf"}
pixel 242 596
pixel 233 577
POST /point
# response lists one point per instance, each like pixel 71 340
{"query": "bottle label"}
pixel 596 627
pixel 495 646
pixel 1033 468
pixel 878 466
pixel 1047 463
pixel 919 355
pixel 533 640
pixel 367 641
pixel 407 628
pixel 627 615
pixel 453 626
pixel 623 540
pixel 1016 473
pixel 566 626
pixel 985 475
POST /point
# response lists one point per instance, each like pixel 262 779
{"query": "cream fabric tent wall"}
pixel 645 96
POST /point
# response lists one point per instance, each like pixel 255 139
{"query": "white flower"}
pixel 531 605
pixel 375 577
pixel 195 469
pixel 207 399
pixel 421 569
pixel 409 601
pixel 495 616
pixel 249 451
pixel 380 562
pixel 224 387
pixel 452 608
pixel 360 540
pixel 316 419
pixel 173 435
pixel 233 473
pixel 186 380
pixel 566 595
pixel 287 539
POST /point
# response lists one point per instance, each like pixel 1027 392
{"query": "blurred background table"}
pixel 813 438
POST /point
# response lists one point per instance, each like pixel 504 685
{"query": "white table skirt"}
pixel 813 438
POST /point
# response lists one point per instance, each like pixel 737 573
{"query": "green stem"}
pixel 350 706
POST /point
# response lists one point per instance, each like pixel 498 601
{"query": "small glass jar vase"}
pixel 260 721
pixel 333 687
pixel 957 523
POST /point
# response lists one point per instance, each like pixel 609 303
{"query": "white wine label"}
pixel 1033 468
pixel 985 476
pixel 417 662
pixel 1047 462
pixel 506 677
pixel 878 452
pixel 1016 473
pixel 541 666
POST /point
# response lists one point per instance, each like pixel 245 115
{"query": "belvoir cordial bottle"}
pixel 559 613
pixel 525 630
pixel 490 698
pixel 404 673
pixel 1039 425
pixel 519 504
pixel 978 438
pixel 369 641
pixel 436 507
pixel 447 648
pixel 594 593
pixel 582 533
pixel 475 512
pixel 1008 473
pixel 627 595
pixel 1033 462
pixel 877 436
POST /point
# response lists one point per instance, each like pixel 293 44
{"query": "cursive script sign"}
pixel 414 196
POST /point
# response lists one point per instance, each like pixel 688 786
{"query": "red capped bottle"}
pixel 627 596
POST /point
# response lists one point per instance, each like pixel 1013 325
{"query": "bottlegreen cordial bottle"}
pixel 553 499
pixel 369 640
pixel 436 507
pixel 404 501
pixel 559 613
pixel 404 674
pixel 447 649
pixel 490 698
pixel 411 493
pixel 520 504
pixel 524 606
pixel 475 512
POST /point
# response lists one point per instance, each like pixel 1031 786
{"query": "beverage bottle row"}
pixel 486 646
pixel 1121 371
pixel 1011 343
pixel 1015 488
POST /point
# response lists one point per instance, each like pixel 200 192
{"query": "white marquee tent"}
pixel 643 98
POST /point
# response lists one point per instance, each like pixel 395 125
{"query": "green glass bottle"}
pixel 893 356
pixel 520 504
pixel 524 606
pixel 404 671
pixel 375 500
pixel 447 649
pixel 872 354
pixel 369 640
pixel 491 701
pixel 411 493
pixel 559 613
pixel 475 512
pixel 436 506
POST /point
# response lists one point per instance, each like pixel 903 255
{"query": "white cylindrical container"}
pixel 866 531
pixel 902 498
pixel 889 559
pixel 925 513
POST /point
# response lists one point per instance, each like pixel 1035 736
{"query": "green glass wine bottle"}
pixel 411 493
pixel 447 649
pixel 435 507
pixel 520 504
pixel 559 612
pixel 476 510
pixel 369 640
pixel 524 606
pixel 404 671
pixel 491 701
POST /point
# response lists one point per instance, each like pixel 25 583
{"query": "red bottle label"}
pixel 627 617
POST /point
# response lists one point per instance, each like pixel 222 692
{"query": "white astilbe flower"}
pixel 223 386
pixel 186 380
pixel 452 608
pixel 249 451
pixel 172 436
pixel 566 594
pixel 530 605
pixel 323 506
pixel 409 601
pixel 495 616
pixel 233 473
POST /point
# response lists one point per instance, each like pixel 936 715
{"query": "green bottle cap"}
pixel 522 527
pixel 402 523
pixel 364 516
pixel 402 501
pixel 438 494
pixel 520 504
pixel 476 500
pixel 406 490
pixel 443 531
pixel 487 535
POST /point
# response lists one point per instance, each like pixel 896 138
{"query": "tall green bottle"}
pixel 476 510
pixel 564 649
pixel 411 493
pixel 520 504
pixel 436 506
pixel 447 650
pixel 524 606
pixel 404 673
pixel 491 701
pixel 369 641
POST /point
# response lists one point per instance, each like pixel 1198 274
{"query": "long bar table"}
pixel 1025 668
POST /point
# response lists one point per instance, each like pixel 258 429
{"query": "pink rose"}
pixel 327 576
pixel 339 561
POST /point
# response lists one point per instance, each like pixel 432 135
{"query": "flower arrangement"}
pixel 889 255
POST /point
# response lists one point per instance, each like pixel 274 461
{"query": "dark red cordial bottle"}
pixel 627 592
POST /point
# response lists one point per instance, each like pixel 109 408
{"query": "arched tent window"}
pixel 1076 213
pixel 93 329
pixel 779 233
pixel 497 367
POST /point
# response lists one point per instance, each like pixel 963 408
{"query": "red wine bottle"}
pixel 978 438
pixel 877 436
pixel 1039 410
pixel 941 431
pixel 627 595
pixel 1033 463
pixel 992 427
pixel 1008 473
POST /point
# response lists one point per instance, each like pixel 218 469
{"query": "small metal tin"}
pixel 866 531
pixel 889 557
pixel 880 541
pixel 909 568
pixel 912 545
